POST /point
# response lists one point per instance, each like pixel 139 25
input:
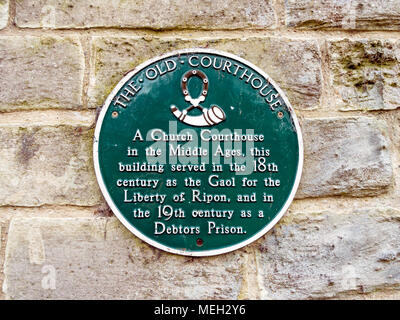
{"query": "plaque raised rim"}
pixel 120 216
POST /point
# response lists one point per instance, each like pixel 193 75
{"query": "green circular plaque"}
pixel 198 152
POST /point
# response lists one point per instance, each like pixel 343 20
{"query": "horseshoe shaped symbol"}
pixel 210 117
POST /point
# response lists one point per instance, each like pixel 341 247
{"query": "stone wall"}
pixel 339 63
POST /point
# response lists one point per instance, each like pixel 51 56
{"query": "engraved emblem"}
pixel 210 117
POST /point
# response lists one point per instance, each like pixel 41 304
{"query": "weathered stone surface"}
pixel 345 14
pixel 47 165
pixel 294 64
pixel 345 156
pixel 365 74
pixel 327 254
pixel 4 4
pixel 154 14
pixel 3 231
pixel 99 259
pixel 40 72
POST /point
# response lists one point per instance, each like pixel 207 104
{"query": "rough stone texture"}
pixel 327 254
pixel 345 156
pixel 344 245
pixel 100 259
pixel 4 4
pixel 344 14
pixel 3 237
pixel 47 165
pixel 365 74
pixel 40 72
pixel 154 14
pixel 294 64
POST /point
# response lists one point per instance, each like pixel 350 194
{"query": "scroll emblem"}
pixel 210 117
